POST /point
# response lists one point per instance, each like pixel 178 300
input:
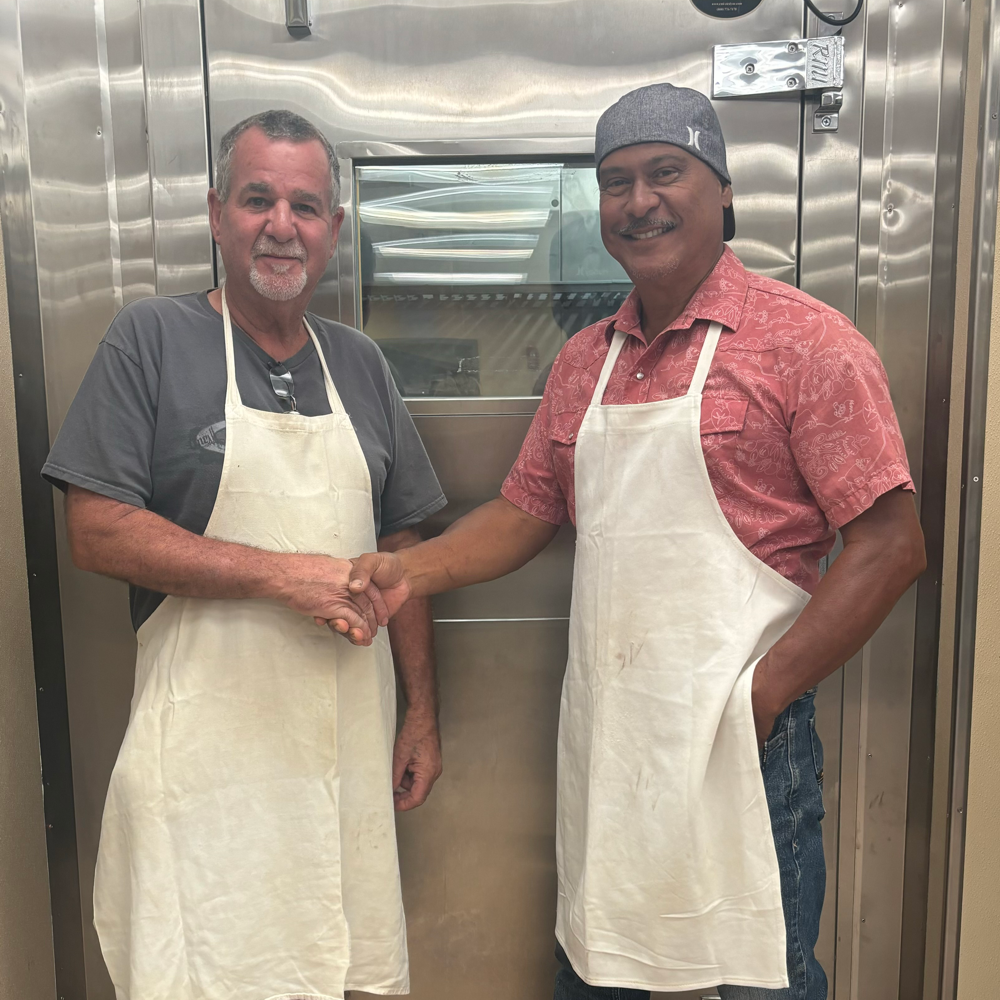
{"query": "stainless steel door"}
pixel 481 83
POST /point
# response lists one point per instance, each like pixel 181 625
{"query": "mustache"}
pixel 647 223
pixel 268 246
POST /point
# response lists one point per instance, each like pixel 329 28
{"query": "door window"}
pixel 474 275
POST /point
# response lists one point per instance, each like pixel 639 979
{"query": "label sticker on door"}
pixel 726 8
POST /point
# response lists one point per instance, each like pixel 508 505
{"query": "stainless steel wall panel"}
pixel 904 99
pixel 178 145
pixel 127 95
pixel 981 297
pixel 925 817
pixel 79 288
pixel 25 314
pixel 828 270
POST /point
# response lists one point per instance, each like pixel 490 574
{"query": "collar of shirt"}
pixel 719 298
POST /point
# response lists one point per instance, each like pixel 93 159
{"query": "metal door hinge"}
pixel 752 68
pixel 297 19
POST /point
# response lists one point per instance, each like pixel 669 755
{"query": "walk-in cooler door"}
pixel 470 252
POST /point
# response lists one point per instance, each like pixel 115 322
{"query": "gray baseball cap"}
pixel 665 113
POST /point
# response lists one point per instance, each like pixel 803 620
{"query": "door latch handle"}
pixel 754 68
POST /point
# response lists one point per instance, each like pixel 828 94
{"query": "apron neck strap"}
pixel 232 389
pixel 617 343
pixel 705 359
pixel 336 406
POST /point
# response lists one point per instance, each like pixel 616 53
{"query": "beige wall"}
pixel 979 965
pixel 26 962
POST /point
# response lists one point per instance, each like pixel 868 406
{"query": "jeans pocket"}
pixel 817 751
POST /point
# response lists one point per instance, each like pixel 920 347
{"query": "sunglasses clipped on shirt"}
pixel 283 385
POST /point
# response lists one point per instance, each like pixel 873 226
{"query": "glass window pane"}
pixel 474 275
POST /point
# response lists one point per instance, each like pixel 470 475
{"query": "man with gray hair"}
pixel 225 453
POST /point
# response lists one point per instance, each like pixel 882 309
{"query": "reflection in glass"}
pixel 473 276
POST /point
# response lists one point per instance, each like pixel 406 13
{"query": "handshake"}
pixel 352 596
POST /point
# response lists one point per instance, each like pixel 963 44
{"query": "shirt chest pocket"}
pixel 723 414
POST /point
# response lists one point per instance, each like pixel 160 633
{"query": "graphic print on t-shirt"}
pixel 212 438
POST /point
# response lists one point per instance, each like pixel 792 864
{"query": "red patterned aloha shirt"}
pixel 797 424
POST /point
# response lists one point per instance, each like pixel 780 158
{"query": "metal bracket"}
pixel 297 19
pixel 753 68
pixel 826 118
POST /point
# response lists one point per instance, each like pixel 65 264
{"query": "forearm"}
pixel 144 549
pixel 411 636
pixel 488 542
pixel 852 600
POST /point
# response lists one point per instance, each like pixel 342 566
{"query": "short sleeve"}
pixel 533 484
pixel 106 441
pixel 411 491
pixel 844 432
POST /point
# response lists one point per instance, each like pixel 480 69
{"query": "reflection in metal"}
pixel 453 278
pixel 178 145
pixel 474 246
pixel 392 213
pixel 751 69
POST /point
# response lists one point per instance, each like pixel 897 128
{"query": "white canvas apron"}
pixel 248 847
pixel 668 877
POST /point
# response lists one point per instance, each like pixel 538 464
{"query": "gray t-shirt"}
pixel 148 425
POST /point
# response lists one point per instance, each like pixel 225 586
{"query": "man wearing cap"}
pixel 707 441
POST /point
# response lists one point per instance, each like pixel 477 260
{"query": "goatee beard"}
pixel 278 287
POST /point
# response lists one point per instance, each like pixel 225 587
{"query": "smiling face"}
pixel 277 229
pixel 661 211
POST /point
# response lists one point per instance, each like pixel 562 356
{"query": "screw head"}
pixel 790 82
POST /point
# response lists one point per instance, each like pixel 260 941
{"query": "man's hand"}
pixel 382 572
pixel 318 586
pixel 765 708
pixel 416 760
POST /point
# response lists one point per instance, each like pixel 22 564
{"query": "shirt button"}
pixel 639 375
pixel 570 435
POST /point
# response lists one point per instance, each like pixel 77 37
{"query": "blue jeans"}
pixel 792 762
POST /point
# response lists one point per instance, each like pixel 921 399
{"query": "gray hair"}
pixel 275 125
